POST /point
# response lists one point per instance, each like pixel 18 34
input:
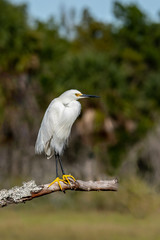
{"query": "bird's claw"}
pixel 66 180
pixel 58 180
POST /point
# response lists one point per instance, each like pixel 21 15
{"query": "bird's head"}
pixel 73 94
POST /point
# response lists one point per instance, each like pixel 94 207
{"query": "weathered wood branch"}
pixel 29 190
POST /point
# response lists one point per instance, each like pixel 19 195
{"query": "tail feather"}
pixel 42 146
pixel 39 148
pixel 48 149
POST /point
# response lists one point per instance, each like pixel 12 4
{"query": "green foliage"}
pixel 134 197
pixel 43 222
pixel 119 62
pixel 13 26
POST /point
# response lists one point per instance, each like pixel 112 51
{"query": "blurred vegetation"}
pixel 44 223
pixel 119 61
pixel 130 213
pixel 134 197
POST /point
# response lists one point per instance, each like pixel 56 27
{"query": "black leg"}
pixel 60 162
pixel 57 178
pixel 56 158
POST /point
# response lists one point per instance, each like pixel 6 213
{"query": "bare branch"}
pixel 30 190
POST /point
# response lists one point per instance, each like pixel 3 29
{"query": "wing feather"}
pixel 47 129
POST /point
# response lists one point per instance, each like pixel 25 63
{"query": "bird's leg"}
pixel 57 178
pixel 56 166
pixel 65 177
pixel 60 162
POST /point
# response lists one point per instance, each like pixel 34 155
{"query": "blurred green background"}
pixel 118 135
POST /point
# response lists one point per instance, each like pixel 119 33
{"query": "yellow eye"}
pixel 78 94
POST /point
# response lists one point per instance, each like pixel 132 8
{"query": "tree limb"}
pixel 30 190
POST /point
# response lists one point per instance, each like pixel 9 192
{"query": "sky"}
pixel 101 9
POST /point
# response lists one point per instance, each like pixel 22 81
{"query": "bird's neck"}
pixel 66 101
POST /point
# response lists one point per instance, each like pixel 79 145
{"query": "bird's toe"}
pixel 58 180
pixel 68 179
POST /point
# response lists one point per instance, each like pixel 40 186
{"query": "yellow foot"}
pixel 66 180
pixel 57 180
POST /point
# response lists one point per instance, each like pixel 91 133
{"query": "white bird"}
pixel 56 127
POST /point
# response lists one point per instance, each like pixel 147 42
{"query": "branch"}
pixel 30 190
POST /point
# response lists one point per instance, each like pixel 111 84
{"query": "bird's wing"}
pixel 47 128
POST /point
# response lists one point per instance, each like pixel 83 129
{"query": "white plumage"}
pixel 57 122
pixel 56 127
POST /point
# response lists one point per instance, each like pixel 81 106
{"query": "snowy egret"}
pixel 56 127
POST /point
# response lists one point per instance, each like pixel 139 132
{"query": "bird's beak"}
pixel 88 96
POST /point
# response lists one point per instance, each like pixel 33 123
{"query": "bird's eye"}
pixel 78 94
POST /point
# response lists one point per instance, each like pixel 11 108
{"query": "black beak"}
pixel 89 96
